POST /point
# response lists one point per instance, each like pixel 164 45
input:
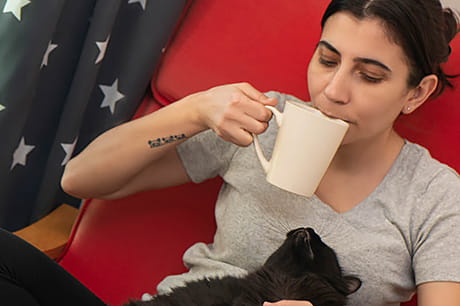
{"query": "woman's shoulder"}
pixel 428 176
pixel 425 162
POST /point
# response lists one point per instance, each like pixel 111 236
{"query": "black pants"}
pixel 29 278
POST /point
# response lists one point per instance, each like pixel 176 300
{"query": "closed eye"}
pixel 327 63
pixel 369 78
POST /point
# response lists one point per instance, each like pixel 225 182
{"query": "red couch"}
pixel 123 248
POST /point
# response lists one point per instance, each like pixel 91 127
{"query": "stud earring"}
pixel 408 109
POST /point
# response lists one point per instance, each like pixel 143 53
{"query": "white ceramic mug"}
pixel 307 141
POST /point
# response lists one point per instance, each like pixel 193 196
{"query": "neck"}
pixel 376 154
pixel 357 169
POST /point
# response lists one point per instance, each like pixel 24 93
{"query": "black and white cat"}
pixel 303 268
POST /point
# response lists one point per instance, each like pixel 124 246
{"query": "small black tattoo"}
pixel 164 140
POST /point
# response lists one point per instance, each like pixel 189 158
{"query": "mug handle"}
pixel 260 154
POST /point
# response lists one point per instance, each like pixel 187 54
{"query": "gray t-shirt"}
pixel 405 233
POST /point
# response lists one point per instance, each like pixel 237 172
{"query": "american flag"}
pixel 69 69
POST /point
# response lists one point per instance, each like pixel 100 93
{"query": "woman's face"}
pixel 357 74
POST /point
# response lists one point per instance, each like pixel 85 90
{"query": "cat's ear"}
pixel 353 284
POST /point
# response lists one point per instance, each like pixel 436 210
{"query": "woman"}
pixel 395 221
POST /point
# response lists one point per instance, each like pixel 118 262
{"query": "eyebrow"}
pixel 358 59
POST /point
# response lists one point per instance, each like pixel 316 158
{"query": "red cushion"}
pixel 123 248
pixel 265 42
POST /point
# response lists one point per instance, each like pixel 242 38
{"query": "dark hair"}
pixel 421 27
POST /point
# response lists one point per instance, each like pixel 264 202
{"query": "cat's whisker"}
pixel 270 211
pixel 273 226
pixel 277 225
pixel 274 233
pixel 285 226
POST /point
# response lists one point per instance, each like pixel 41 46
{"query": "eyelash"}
pixel 364 76
pixel 326 62
pixel 370 79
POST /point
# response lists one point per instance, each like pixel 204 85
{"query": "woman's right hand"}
pixel 235 111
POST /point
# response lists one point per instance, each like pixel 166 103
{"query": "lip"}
pixel 331 115
pixel 335 117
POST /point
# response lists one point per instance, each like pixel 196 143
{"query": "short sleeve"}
pixel 205 155
pixel 437 230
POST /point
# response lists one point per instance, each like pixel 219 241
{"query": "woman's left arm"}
pixel 438 294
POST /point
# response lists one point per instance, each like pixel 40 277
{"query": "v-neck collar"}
pixel 369 199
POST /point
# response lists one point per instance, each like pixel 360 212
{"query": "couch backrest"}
pixel 267 43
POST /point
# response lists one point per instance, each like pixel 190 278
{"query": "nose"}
pixel 338 87
pixel 304 233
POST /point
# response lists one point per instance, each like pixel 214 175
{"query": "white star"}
pixel 2 107
pixel 68 149
pixel 15 7
pixel 111 95
pixel 102 46
pixel 50 49
pixel 143 3
pixel 20 154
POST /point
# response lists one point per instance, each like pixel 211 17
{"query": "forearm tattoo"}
pixel 165 140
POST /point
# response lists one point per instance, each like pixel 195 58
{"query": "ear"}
pixel 418 95
pixel 353 283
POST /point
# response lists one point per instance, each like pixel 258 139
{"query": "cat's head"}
pixel 303 252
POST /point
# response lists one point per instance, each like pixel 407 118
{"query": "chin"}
pixel 353 138
pixel 345 143
pixel 349 138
